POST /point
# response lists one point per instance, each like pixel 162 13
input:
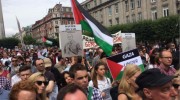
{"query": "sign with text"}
pixel 71 40
pixel 118 62
pixel 128 41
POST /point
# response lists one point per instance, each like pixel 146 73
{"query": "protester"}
pixel 23 90
pixel 67 77
pixel 165 58
pixel 80 77
pixel 101 82
pixel 48 75
pixel 3 72
pixel 40 84
pixel 25 72
pixel 155 85
pixel 127 84
pixel 72 92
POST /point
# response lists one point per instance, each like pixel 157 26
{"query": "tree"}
pixel 29 40
pixel 9 42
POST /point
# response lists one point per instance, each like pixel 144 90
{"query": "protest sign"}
pixel 118 62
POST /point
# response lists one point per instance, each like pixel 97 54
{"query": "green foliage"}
pixel 28 40
pixel 166 28
pixel 9 42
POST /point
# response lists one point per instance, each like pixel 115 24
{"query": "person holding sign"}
pixel 127 85
pixel 72 47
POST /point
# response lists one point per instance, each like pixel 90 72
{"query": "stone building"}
pixel 49 25
pixel 112 12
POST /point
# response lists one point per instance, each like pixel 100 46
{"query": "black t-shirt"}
pixel 49 76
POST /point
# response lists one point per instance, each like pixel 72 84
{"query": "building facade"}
pixel 113 12
pixel 49 25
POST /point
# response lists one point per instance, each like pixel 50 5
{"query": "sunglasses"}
pixel 14 60
pixel 176 85
pixel 28 61
pixel 40 83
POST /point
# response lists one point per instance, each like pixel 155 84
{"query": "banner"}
pixel 88 42
pixel 118 62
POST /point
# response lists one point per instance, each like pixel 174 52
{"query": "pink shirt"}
pixel 171 71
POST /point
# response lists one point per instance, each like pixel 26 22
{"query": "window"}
pixel 110 10
pixel 139 16
pixel 116 8
pixel 95 3
pixel 139 3
pixel 153 1
pixel 127 19
pixel 100 1
pixel 56 22
pixel 133 18
pixel 165 12
pixel 154 14
pixel 110 22
pixel 117 20
pixel 127 5
pixel 132 4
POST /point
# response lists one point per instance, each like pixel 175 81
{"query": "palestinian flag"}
pixel 44 39
pixel 118 62
pixel 101 36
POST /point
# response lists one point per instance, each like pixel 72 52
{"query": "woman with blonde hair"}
pixel 127 84
pixel 40 83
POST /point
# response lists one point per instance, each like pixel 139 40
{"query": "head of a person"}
pixel 74 60
pixel 47 64
pixel 28 61
pixel 127 83
pixel 67 77
pixel 39 82
pixel 79 75
pixel 99 71
pixel 69 36
pixel 39 63
pixel 155 85
pixel 165 58
pixel 25 72
pixel 23 90
pixel 176 82
pixel 103 57
pixel 72 92
pixel 14 61
pixel 5 55
pixel 170 46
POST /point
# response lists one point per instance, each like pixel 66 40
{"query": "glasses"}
pixel 176 85
pixel 167 57
pixel 40 83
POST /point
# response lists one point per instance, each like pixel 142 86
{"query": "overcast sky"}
pixel 27 11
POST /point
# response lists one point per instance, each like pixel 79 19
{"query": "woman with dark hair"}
pixel 67 78
pixel 100 81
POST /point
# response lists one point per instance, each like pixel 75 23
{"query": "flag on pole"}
pixel 101 36
pixel 44 39
pixel 117 63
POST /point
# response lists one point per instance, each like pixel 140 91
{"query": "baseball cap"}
pixel 152 78
pixel 47 62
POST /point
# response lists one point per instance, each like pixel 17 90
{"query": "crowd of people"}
pixel 43 74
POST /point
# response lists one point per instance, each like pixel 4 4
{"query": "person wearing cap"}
pixel 49 67
pixel 165 58
pixel 155 85
pixel 40 66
